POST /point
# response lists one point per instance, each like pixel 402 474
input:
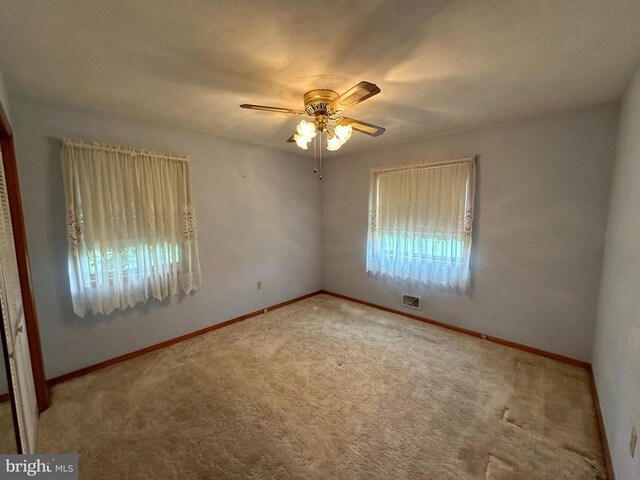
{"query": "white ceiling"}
pixel 441 64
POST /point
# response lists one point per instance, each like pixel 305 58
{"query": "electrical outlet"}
pixel 259 285
pixel 633 442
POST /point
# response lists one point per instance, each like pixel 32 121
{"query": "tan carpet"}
pixel 7 433
pixel 326 388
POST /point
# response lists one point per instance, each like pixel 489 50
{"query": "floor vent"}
pixel 411 301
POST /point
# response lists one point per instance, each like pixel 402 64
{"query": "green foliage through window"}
pixel 131 262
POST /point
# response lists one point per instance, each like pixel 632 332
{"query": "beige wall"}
pixel 616 360
pixel 259 219
pixel 541 207
pixel 4 99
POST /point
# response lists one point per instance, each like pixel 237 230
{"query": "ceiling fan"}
pixel 326 107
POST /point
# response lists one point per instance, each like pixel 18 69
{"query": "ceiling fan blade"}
pixel 290 139
pixel 363 127
pixel 355 95
pixel 264 108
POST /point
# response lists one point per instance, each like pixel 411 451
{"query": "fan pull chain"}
pixel 320 166
pixel 315 155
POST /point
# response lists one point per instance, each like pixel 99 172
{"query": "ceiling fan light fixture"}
pixel 343 132
pixel 301 141
pixel 324 106
pixel 306 129
pixel 334 143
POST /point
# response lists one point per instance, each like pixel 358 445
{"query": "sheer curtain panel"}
pixel 420 222
pixel 130 224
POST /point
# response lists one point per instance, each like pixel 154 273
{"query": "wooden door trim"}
pixel 22 256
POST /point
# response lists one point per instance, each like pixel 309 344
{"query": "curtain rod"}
pixel 119 149
pixel 440 162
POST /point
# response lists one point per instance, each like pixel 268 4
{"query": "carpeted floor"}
pixel 326 388
pixel 7 433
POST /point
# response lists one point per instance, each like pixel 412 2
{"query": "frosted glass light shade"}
pixel 333 143
pixel 343 132
pixel 306 129
pixel 301 141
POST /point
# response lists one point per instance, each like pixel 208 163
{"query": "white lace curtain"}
pixel 420 221
pixel 131 226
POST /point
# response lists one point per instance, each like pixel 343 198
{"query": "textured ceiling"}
pixel 442 65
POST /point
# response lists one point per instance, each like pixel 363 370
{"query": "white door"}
pixel 14 325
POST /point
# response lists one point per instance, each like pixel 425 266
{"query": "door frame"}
pixel 11 395
pixel 22 256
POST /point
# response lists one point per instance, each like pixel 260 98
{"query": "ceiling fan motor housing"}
pixel 316 102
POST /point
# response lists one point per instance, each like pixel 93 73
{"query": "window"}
pixel 420 222
pixel 105 265
pixel 130 224
pixel 421 248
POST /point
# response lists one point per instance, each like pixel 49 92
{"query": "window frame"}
pixel 429 243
